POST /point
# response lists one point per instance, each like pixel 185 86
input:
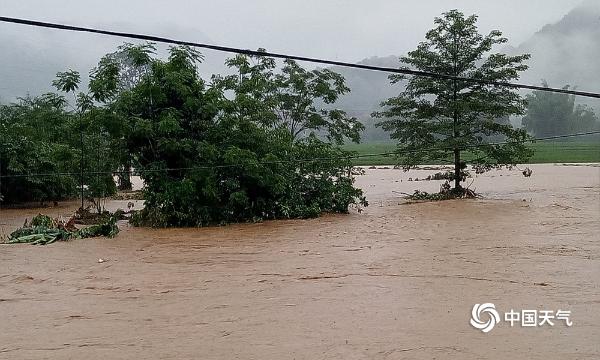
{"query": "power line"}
pixel 291 57
pixel 321 159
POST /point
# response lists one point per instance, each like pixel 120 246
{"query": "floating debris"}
pixel 44 230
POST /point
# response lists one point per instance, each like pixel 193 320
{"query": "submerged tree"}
pixel 257 145
pixel 435 118
pixel 212 153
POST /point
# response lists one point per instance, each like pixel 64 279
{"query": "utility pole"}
pixel 1 196
pixel 457 170
pixel 81 160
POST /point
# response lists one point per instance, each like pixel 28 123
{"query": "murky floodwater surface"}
pixel 396 281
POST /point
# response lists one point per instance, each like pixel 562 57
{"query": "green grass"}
pixel 544 152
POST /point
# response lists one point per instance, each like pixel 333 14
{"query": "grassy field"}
pixel 545 152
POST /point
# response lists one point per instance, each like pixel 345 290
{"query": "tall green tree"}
pixel 292 99
pixel 116 73
pixel 434 119
pixel 218 152
pixel 550 114
pixel 97 141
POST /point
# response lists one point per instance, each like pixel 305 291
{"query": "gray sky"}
pixel 347 30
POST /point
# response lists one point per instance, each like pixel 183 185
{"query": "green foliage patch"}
pixel 43 230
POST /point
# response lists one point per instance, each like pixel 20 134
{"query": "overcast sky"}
pixel 347 30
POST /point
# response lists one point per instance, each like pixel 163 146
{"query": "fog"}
pixel 341 30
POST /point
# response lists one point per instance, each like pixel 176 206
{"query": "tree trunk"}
pixel 457 170
pixel 125 177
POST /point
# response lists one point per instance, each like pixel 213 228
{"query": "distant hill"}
pixel 369 89
pixel 567 52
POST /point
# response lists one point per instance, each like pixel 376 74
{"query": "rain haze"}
pixel 343 30
pixel 160 204
pixel 340 30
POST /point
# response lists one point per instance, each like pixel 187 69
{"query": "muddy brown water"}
pixel 395 281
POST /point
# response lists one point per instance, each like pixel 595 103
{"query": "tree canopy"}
pixel 49 147
pixel 35 138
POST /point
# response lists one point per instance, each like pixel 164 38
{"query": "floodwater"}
pixel 395 281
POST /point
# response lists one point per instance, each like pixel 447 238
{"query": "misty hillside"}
pixel 567 52
pixel 369 89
